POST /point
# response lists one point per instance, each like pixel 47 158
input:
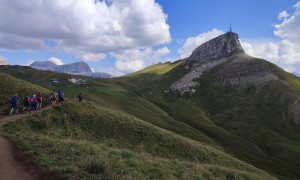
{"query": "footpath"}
pixel 15 165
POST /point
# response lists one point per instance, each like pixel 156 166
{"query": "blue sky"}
pixel 131 34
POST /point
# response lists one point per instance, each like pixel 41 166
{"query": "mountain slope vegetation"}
pixel 11 86
pixel 251 122
pixel 88 141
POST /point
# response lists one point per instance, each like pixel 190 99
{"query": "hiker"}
pixel 61 95
pixel 80 97
pixel 53 98
pixel 14 103
pixel 33 102
pixel 39 99
pixel 26 102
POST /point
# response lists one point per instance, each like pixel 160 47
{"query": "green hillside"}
pixel 11 86
pixel 249 123
pixel 94 142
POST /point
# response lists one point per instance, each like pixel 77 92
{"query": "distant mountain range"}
pixel 296 74
pixel 79 68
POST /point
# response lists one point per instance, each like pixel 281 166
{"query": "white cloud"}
pixel 283 15
pixel 130 66
pixel 29 62
pixel 3 61
pixel 82 26
pixel 162 52
pixel 289 28
pixel 113 71
pixel 289 32
pixel 56 61
pixel 93 70
pixel 262 49
pixel 289 69
pixel 93 57
pixel 128 61
pixel 285 52
pixel 192 43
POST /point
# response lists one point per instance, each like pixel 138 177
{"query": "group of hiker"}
pixel 30 103
pixel 35 102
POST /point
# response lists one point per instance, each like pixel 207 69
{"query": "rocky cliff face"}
pixel 44 65
pixel 217 48
pixel 239 68
pixel 243 70
pixel 74 68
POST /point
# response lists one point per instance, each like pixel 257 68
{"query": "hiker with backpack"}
pixel 80 97
pixel 53 98
pixel 39 99
pixel 14 103
pixel 61 95
pixel 26 100
pixel 33 102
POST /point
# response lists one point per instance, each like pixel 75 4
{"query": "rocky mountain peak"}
pixel 220 47
pixel 238 69
pixel 44 65
pixel 74 68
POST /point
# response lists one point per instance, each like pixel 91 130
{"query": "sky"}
pixel 124 36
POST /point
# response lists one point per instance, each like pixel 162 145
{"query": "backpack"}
pixel 52 95
pixel 38 97
pixel 14 100
pixel 25 100
pixel 32 100
pixel 60 93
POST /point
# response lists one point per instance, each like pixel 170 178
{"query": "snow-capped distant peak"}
pixel 56 61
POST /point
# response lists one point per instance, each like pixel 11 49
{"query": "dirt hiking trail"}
pixel 15 117
pixel 15 165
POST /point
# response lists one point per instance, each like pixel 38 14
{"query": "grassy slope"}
pixel 11 86
pixel 107 93
pixel 141 95
pixel 247 123
pixel 88 141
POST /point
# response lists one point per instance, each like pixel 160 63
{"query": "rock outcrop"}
pixel 243 71
pixel 207 56
pixel 74 68
pixel 44 65
pixel 294 113
pixel 217 48
pixel 239 68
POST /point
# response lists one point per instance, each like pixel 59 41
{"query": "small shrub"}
pixel 94 168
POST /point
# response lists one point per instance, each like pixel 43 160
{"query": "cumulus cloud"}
pixel 285 52
pixel 93 57
pixel 262 49
pixel 161 52
pixel 83 26
pixel 93 70
pixel 3 61
pixel 289 31
pixel 129 66
pixel 56 61
pixel 192 43
pixel 128 61
pixel 283 15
